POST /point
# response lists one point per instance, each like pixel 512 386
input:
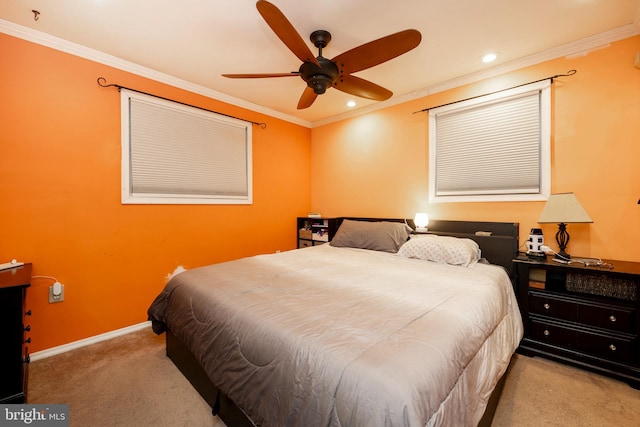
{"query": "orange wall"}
pixel 377 164
pixel 60 173
pixel 60 195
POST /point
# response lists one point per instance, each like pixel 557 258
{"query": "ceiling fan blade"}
pixel 307 98
pixel 285 31
pixel 377 51
pixel 362 88
pixel 260 76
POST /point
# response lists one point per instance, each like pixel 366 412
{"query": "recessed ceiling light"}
pixel 351 104
pixel 489 57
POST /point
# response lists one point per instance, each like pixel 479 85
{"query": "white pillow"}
pixel 441 249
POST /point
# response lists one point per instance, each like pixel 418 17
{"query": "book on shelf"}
pixel 314 215
pixel 536 284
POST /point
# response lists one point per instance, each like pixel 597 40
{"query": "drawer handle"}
pixel 546 306
pixel 546 332
pixel 612 347
pixel 28 340
pixel 612 318
pixel 27 328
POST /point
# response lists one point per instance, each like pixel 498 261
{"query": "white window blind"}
pixel 492 148
pixel 177 154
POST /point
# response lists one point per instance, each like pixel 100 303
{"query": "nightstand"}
pixel 14 354
pixel 584 316
pixel 315 231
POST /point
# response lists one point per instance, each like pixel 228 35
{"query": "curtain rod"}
pixel 569 73
pixel 102 82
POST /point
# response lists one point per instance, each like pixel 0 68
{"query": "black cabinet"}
pixel 14 353
pixel 584 316
pixel 315 231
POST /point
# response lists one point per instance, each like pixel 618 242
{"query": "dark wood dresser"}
pixel 14 353
pixel 586 316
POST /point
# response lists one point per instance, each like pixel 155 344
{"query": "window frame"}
pixel 128 196
pixel 543 88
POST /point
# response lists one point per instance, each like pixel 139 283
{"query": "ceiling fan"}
pixel 320 73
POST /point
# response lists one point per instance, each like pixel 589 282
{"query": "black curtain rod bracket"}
pixel 102 82
pixel 567 74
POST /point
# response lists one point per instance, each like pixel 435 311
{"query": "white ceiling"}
pixel 191 43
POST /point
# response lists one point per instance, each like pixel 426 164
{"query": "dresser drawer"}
pixel 618 349
pixel 611 347
pixel 552 334
pixel 618 319
pixel 548 305
pixel 613 317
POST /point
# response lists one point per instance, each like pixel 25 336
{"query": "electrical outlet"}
pixel 55 296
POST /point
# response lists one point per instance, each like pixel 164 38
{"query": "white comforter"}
pixel 327 336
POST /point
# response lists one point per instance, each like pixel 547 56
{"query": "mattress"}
pixel 327 336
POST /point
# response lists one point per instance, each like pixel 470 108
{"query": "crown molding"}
pixel 81 51
pixel 576 48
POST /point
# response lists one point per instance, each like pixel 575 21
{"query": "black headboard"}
pixel 498 241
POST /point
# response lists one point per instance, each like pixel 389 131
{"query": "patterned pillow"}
pixel 441 249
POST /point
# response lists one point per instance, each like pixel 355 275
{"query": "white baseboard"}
pixel 88 341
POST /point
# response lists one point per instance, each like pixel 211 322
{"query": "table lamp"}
pixel 563 208
pixel 421 221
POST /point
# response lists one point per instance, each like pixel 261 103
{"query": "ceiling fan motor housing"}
pixel 319 78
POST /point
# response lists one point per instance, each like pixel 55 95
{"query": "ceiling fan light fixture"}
pixel 319 83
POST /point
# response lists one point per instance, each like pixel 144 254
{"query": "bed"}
pixel 378 328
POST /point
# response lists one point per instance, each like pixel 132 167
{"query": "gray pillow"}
pixel 378 236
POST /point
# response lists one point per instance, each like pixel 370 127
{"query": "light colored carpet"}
pixel 540 392
pixel 129 382
pixel 124 382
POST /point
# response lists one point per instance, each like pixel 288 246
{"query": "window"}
pixel 177 154
pixel 492 148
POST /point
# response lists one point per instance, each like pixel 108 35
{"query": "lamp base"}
pixel 562 238
pixel 536 255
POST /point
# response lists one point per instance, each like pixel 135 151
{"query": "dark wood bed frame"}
pixel 498 242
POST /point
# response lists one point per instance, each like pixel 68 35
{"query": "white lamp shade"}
pixel 563 208
pixel 421 220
